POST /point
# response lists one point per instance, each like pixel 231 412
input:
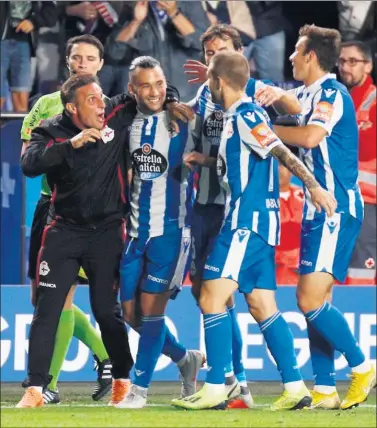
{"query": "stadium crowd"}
pixel 143 54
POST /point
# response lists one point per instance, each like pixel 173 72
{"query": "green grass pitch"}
pixel 78 410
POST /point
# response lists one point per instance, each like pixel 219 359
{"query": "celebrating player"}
pixel 84 54
pixel 158 244
pixel 328 141
pixel 243 256
pixel 87 229
pixel 208 212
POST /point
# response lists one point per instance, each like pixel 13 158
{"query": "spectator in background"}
pixel 19 22
pixel 118 57
pixel 262 28
pixel 168 31
pixel 95 17
pixel 353 16
pixel 288 251
pixel 355 68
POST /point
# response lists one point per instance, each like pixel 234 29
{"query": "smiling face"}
pixel 301 60
pixel 353 67
pixel 88 108
pixel 148 86
pixel 217 44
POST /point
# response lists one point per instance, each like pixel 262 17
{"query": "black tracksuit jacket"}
pixel 89 183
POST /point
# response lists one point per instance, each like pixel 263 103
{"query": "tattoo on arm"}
pixel 295 166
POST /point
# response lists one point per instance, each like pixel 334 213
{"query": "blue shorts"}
pixel 245 257
pixel 327 244
pixel 206 223
pixel 155 265
pixel 15 63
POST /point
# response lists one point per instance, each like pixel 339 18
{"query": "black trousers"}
pixel 64 248
pixel 37 228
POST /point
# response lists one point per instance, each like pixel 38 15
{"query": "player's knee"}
pixel 262 304
pixel 205 300
pixel 307 302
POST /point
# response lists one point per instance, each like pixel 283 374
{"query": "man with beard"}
pixel 355 68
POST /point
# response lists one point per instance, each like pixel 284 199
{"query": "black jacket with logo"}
pixel 89 182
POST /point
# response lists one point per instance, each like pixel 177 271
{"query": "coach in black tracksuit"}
pixel 85 165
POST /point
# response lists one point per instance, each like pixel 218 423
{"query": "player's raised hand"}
pixel 196 69
pixel 181 111
pixel 267 95
pixel 86 136
pixel 321 198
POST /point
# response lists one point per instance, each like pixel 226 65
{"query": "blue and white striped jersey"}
pixel 248 173
pixel 208 130
pixel 159 183
pixel 334 162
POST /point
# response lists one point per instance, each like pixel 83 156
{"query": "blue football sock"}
pixel 332 325
pixel 152 337
pixel 279 339
pixel 172 348
pixel 322 356
pixel 238 367
pixel 218 339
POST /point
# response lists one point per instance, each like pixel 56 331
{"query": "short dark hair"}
pixel 70 86
pixel 223 32
pixel 144 62
pixel 362 47
pixel 233 67
pixel 325 42
pixel 85 38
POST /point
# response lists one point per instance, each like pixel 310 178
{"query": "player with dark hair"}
pixel 158 242
pixel 81 151
pixel 84 54
pixel 328 142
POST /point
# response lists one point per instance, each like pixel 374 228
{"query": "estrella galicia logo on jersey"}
pixel 213 127
pixel 149 163
pixel 220 166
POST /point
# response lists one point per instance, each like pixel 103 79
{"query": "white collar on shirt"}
pixel 316 85
pixel 235 105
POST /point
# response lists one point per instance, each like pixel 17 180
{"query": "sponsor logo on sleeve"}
pixel 263 134
pixel 323 112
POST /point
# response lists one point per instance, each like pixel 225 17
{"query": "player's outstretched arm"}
pixel 321 198
pixel 307 137
pixel 284 102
